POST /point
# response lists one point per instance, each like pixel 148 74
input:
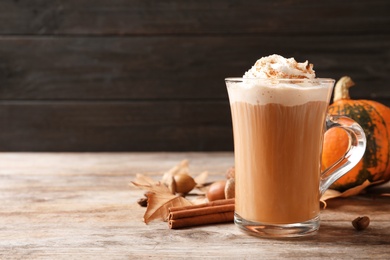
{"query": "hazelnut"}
pixel 361 223
pixel 230 173
pixel 230 188
pixel 184 183
pixel 216 191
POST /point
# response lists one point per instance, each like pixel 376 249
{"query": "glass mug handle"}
pixel 355 151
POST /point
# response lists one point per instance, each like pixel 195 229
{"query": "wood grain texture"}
pixel 123 56
pixel 115 126
pixel 117 68
pixel 148 17
pixel 79 205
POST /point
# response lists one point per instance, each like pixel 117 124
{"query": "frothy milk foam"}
pixel 278 128
pixel 261 92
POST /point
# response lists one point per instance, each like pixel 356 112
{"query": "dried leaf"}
pixel 160 198
pixel 142 179
pixel 159 203
pixel 201 178
pixel 182 167
pixel 146 183
pixel 330 194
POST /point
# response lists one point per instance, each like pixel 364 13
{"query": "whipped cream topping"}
pixel 278 67
pixel 275 79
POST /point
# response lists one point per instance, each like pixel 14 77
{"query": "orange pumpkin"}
pixel 374 118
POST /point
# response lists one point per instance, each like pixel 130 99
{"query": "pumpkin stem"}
pixel 341 89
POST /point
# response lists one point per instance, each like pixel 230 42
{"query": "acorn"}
pixel 216 191
pixel 184 183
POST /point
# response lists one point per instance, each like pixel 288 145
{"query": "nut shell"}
pixel 184 183
pixel 230 188
pixel 230 173
pixel 216 191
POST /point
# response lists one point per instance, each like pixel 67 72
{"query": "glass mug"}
pixel 278 129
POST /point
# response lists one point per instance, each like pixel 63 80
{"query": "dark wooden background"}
pixel 141 75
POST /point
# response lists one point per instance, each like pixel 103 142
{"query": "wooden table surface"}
pixel 80 206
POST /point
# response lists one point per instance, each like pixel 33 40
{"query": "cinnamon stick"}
pixel 203 205
pixel 208 213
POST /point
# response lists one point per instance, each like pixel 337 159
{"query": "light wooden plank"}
pixel 79 205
